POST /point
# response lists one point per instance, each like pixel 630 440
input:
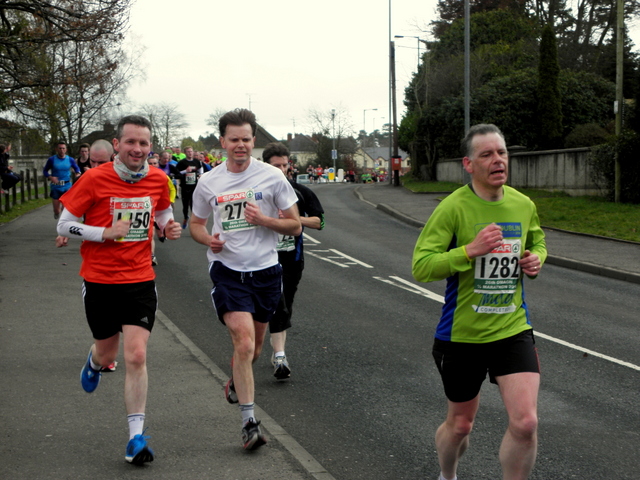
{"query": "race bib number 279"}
pixel 232 207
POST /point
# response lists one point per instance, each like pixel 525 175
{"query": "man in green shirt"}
pixel 482 239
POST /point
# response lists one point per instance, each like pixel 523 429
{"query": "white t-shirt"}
pixel 223 193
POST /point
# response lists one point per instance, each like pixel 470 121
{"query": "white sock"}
pixel 247 412
pixel 136 424
pixel 442 477
pixel 94 365
pixel 279 354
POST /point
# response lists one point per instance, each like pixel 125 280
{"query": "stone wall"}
pixel 566 170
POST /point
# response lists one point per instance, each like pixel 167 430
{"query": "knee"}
pixel 245 348
pixel 461 427
pixel 524 428
pixel 136 357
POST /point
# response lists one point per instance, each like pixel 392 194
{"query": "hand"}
pixel 119 230
pixel 252 214
pixel 61 241
pixel 53 179
pixel 488 238
pixel 216 244
pixel 172 230
pixel 530 264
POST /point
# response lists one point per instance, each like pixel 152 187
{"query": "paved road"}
pixel 364 400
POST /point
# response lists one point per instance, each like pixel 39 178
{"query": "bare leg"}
pixel 135 359
pixel 247 337
pixel 520 443
pixel 278 340
pixel 452 437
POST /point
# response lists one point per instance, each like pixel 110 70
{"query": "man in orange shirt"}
pixel 119 201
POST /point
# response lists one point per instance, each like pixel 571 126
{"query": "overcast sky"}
pixel 280 58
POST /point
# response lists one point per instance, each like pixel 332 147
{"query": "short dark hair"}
pixel 61 142
pixel 274 149
pixel 133 120
pixel 479 129
pixel 83 145
pixel 238 117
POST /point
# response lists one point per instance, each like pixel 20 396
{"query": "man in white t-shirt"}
pixel 251 202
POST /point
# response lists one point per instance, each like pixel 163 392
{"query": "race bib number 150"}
pixel 138 210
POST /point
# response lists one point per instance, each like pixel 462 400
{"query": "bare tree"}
pixel 62 62
pixel 169 123
pixel 214 118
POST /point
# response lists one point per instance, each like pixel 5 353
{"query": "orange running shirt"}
pixel 102 198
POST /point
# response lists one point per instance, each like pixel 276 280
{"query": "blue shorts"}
pixel 255 292
pixel 58 190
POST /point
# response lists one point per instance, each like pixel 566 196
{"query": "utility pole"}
pixel 396 173
pixel 619 103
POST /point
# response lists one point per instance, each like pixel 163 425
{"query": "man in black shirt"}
pixel 290 256
pixel 190 170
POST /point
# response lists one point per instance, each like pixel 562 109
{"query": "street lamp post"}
pixel 419 40
pixel 334 153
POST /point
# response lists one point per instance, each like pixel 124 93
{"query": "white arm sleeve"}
pixel 163 217
pixel 70 226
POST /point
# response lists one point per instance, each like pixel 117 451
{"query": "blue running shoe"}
pixel 89 378
pixel 138 452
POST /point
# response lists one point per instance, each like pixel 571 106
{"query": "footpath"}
pixel 588 253
pixel 52 429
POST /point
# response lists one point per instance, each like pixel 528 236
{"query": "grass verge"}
pixel 591 215
pixel 22 208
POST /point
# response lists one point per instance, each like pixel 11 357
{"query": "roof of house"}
pixel 107 133
pixel 301 143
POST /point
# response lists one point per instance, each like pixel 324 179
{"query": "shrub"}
pixel 586 135
pixel 602 161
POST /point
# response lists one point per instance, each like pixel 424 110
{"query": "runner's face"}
pixel 84 152
pixel 238 141
pixel 489 161
pixel 134 146
pixel 153 162
pixel 280 162
pixel 61 150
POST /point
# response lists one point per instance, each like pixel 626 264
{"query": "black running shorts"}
pixel 109 306
pixel 464 366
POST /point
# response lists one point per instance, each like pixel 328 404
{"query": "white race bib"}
pixel 499 270
pixel 138 210
pixel 231 208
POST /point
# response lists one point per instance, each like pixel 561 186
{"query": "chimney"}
pixel 289 137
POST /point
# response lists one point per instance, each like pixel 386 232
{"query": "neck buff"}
pixel 127 175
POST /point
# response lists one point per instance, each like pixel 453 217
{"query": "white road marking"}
pixel 411 287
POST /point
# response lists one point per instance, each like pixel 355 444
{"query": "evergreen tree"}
pixel 549 101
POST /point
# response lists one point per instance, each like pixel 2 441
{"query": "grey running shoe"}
pixel 281 368
pixel 252 437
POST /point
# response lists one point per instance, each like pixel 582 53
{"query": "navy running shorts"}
pixel 463 367
pixel 255 292
pixel 109 306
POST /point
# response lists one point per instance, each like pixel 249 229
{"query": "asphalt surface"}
pixel 53 429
